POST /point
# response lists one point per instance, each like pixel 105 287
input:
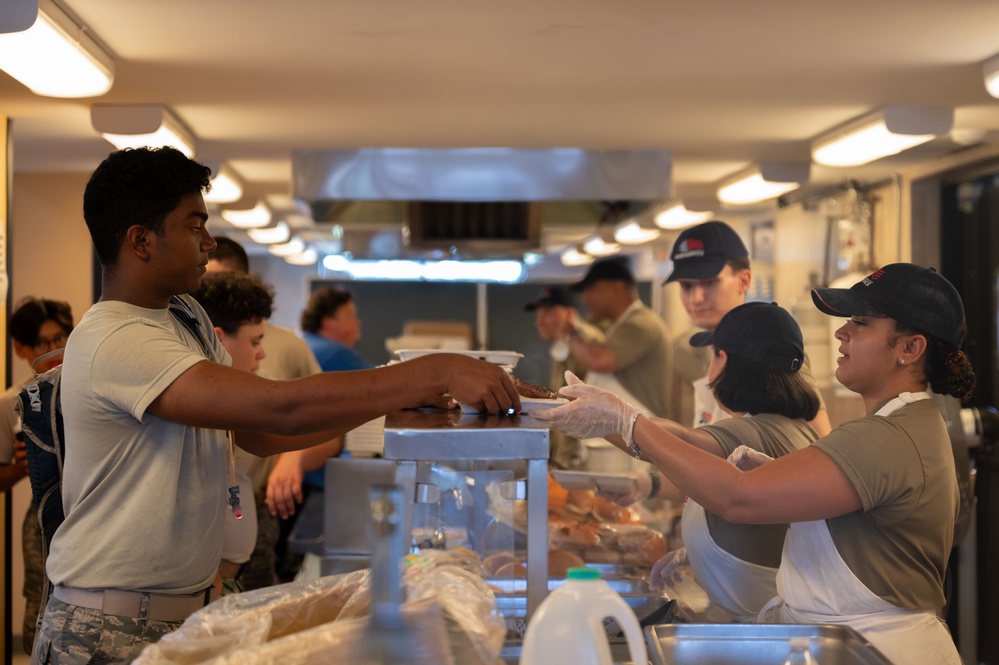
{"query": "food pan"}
pixel 756 644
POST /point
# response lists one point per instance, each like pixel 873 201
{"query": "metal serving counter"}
pixel 412 436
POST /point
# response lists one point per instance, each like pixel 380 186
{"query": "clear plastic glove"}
pixel 667 572
pixel 592 413
pixel 642 490
pixel 746 459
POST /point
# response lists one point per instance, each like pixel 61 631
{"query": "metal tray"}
pixel 510 654
pixel 756 644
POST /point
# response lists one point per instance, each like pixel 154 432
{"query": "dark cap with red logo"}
pixel 919 298
pixel 701 251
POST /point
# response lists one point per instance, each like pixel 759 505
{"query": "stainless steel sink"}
pixel 756 644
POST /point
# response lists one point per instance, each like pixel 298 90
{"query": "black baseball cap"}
pixel 917 297
pixel 701 251
pixel 758 331
pixel 609 269
pixel 552 296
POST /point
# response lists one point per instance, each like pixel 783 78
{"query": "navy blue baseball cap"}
pixel 759 331
pixel 701 251
pixel 917 297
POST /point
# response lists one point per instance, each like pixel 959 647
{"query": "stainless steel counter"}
pixel 434 435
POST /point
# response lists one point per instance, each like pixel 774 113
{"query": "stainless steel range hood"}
pixel 472 202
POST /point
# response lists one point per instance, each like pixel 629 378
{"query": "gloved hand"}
pixel 746 459
pixel 667 572
pixel 643 488
pixel 592 413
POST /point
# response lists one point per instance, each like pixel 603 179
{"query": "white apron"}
pixel 815 585
pixel 739 587
pixel 607 381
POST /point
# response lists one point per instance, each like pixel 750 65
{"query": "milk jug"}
pixel 568 627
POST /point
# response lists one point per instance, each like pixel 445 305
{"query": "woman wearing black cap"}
pixel 755 345
pixel 872 505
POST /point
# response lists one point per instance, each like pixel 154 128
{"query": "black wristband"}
pixel 657 484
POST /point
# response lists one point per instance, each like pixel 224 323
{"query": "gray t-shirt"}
pixel 775 436
pixel 642 349
pixel 902 468
pixel 144 497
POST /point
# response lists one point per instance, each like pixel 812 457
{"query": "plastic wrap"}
pixel 673 578
pixel 450 609
pixel 476 629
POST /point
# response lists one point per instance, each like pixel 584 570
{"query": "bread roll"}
pixel 579 503
pixel 560 561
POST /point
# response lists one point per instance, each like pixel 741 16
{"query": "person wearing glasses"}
pixel 38 328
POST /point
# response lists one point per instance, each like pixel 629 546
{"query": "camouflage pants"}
pixel 34 575
pixel 71 635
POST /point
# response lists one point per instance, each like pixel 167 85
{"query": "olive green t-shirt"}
pixel 902 468
pixel 642 350
pixel 775 436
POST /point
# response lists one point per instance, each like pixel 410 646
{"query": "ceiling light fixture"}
pixel 597 246
pixel 677 216
pixel 290 248
pixel 135 126
pixel 272 235
pixel 55 57
pixel 226 186
pixel 572 257
pixel 632 233
pixel 768 180
pixel 991 71
pixel 880 134
pixel 256 217
pixel 306 258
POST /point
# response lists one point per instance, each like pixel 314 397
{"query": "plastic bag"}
pixel 673 578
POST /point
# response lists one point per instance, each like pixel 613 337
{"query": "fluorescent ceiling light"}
pixel 759 183
pixel 631 233
pixel 256 217
pixel 506 272
pixel 293 246
pixel 226 187
pixel 55 57
pixel 573 257
pixel 991 71
pixel 880 134
pixel 596 246
pixel 272 235
pixel 136 126
pixel 677 216
pixel 306 258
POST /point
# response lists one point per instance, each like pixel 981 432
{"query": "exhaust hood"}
pixel 471 202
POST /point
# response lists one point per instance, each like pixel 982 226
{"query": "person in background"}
pixel 331 328
pixel 872 504
pixel 238 305
pixel 554 315
pixel 38 326
pixel 634 357
pixel 152 409
pixel 711 265
pixel 286 357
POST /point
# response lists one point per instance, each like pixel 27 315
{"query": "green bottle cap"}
pixel 582 574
